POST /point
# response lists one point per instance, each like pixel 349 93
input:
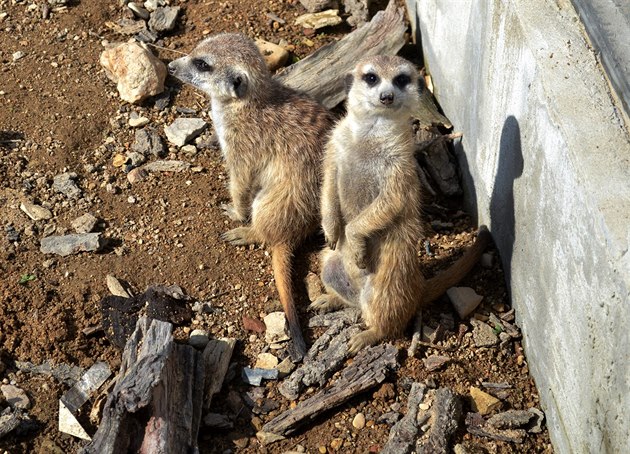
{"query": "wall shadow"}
pixel 502 215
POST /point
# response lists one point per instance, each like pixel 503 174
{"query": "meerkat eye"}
pixel 201 65
pixel 401 81
pixel 371 79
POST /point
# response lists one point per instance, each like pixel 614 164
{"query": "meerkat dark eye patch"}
pixel 201 65
pixel 370 78
pixel 401 81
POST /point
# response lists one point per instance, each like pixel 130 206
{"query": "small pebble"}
pixel 358 422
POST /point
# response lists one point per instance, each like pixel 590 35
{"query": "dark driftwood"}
pixel 403 434
pixel 216 357
pixel 368 370
pixel 322 74
pixel 446 413
pixel 155 405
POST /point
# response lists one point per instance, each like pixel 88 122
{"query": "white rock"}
pixel 17 55
pixel 15 397
pixel 277 329
pixel 316 21
pixel 266 361
pixel 115 287
pixel 464 300
pixel 183 130
pixel 85 223
pixel 136 71
pixel 138 122
pixel 35 212
pixel 275 56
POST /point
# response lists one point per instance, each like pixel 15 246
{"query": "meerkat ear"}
pixel 238 84
pixel 347 82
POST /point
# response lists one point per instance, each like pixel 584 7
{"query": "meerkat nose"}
pixel 171 68
pixel 387 98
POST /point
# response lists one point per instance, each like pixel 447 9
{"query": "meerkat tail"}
pixel 281 263
pixel 439 284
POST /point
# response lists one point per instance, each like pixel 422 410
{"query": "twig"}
pixel 429 143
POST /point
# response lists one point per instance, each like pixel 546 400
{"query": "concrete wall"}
pixel 546 163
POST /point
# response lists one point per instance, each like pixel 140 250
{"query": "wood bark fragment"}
pixel 155 405
pixel 403 434
pixel 216 357
pixel 369 368
pixel 322 74
pixel 325 357
pixel 446 413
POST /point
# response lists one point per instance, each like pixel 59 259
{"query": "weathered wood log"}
pixel 324 358
pixel 322 73
pixel 403 434
pixel 446 413
pixel 216 357
pixel 369 368
pixel 155 405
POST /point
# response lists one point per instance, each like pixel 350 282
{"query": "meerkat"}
pixel 272 139
pixel 371 206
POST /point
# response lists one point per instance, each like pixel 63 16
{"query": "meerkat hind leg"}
pixel 241 236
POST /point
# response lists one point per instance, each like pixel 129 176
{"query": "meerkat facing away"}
pixel 272 140
pixel 371 206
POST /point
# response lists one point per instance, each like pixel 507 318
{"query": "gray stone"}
pixel 255 376
pixel 138 10
pixel 483 334
pixel 464 299
pixel 71 244
pixel 545 153
pixel 218 421
pixel 183 130
pixel 328 18
pixel 389 418
pixel 314 6
pixel 134 159
pixel 65 184
pixel 434 362
pixel 15 397
pixel 166 166
pixel 148 142
pixel 85 223
pixel 163 19
pixel 198 338
pixel 535 425
pixel 35 212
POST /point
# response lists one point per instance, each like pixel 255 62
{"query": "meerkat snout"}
pixel 387 98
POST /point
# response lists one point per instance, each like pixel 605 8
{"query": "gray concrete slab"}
pixel 546 162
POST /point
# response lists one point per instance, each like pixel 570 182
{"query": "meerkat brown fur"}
pixel 272 140
pixel 371 206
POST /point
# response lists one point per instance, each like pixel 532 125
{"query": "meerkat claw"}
pixel 325 303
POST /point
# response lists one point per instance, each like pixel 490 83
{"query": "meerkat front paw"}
pixel 230 211
pixel 361 340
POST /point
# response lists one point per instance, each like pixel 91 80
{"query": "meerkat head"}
pixel 227 67
pixel 385 86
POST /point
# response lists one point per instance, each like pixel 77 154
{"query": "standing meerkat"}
pixel 371 206
pixel 272 140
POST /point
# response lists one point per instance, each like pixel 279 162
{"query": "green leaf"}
pixel 26 278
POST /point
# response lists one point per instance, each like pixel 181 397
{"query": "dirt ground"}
pixel 58 113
